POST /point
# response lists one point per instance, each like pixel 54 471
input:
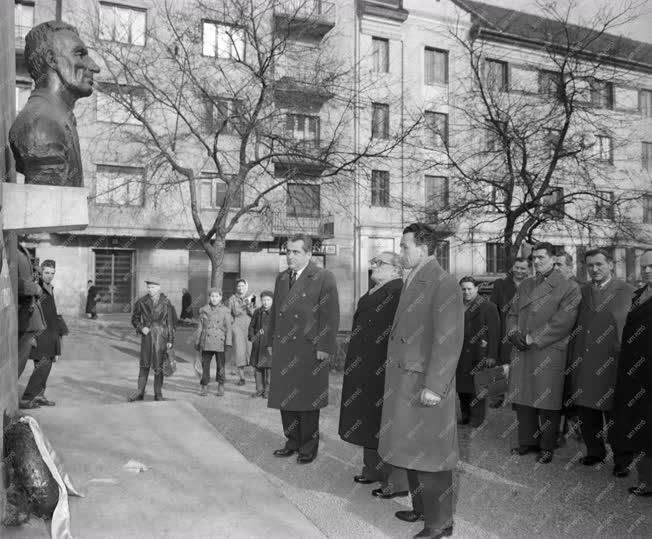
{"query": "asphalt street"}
pixel 498 495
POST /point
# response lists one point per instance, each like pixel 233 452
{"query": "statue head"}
pixel 57 58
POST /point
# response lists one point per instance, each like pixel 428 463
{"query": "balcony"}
pixel 297 84
pixel 19 37
pixel 305 18
pixel 387 9
pixel 313 223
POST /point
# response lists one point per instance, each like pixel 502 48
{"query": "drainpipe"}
pixel 357 276
pixel 58 9
pixel 402 128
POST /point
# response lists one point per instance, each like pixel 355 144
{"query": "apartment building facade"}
pixel 405 62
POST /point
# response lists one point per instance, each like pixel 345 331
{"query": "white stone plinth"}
pixel 43 208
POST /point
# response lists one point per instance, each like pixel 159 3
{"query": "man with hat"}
pixel 153 318
pixel 48 342
pixel 260 358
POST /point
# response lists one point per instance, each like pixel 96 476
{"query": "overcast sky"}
pixel 639 29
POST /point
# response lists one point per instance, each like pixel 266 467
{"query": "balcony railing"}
pixel 311 222
pixel 19 36
pixel 294 78
pixel 321 10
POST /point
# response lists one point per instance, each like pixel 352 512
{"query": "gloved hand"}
pixel 489 362
pixel 197 347
pixel 518 340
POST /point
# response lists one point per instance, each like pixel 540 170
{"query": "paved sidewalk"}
pixel 498 495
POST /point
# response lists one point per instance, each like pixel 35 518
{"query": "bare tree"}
pixel 251 94
pixel 531 144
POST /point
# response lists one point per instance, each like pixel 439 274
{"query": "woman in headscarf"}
pixel 364 375
pixel 242 309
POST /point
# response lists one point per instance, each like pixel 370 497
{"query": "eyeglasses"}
pixel 378 262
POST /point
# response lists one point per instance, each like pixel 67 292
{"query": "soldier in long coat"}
pixel 418 429
pixel 479 351
pixel 538 325
pixel 303 329
pixel 593 358
pixel 153 319
pixel 633 397
pixel 364 375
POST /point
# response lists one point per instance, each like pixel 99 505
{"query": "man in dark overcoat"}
pixel 302 333
pixel 479 351
pixel 153 319
pixel 363 384
pixel 593 359
pixel 418 429
pixel 633 397
pixel 539 324
pixel 48 342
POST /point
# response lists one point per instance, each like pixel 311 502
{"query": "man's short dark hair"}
pixel 522 259
pixel 241 281
pixel 38 41
pixel 469 279
pixel 90 281
pixel 596 252
pixel 307 241
pixel 545 245
pixel 49 264
pixel 422 233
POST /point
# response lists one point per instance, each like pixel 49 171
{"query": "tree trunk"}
pixel 215 252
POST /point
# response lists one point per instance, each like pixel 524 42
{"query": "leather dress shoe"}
pixel 363 480
pixel 43 401
pixel 590 460
pixel 524 449
pixel 306 459
pixel 620 470
pixel 135 397
pixel 435 534
pixel 284 452
pixel 159 398
pixel 380 493
pixel 464 421
pixel 28 405
pixel 545 457
pixel 408 516
pixel 640 491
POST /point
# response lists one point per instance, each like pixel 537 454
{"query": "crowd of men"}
pixel 572 350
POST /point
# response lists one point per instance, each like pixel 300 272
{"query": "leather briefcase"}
pixel 490 382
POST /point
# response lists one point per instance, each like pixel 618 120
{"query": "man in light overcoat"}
pixel 418 429
pixel 539 324
pixel 302 333
pixel 594 349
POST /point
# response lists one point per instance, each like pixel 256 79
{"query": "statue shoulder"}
pixel 37 121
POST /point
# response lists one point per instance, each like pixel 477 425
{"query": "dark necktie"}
pixel 293 278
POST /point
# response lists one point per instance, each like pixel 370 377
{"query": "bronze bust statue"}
pixel 43 137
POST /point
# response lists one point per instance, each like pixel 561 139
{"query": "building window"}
pixel 223 41
pixel 496 260
pixel 119 186
pixel 604 205
pixel 380 120
pixel 494 132
pixel 23 89
pixel 213 193
pixel 436 66
pixel 602 94
pixel 303 128
pixel 110 101
pixel 645 102
pixel 436 128
pixel 303 200
pixel 380 188
pixel 553 203
pixel 497 73
pixel 441 250
pixel 23 21
pixel 604 148
pixel 123 24
pixel 224 115
pixel 646 156
pixel 436 194
pixel 550 83
pixel 380 54
pixel 647 209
